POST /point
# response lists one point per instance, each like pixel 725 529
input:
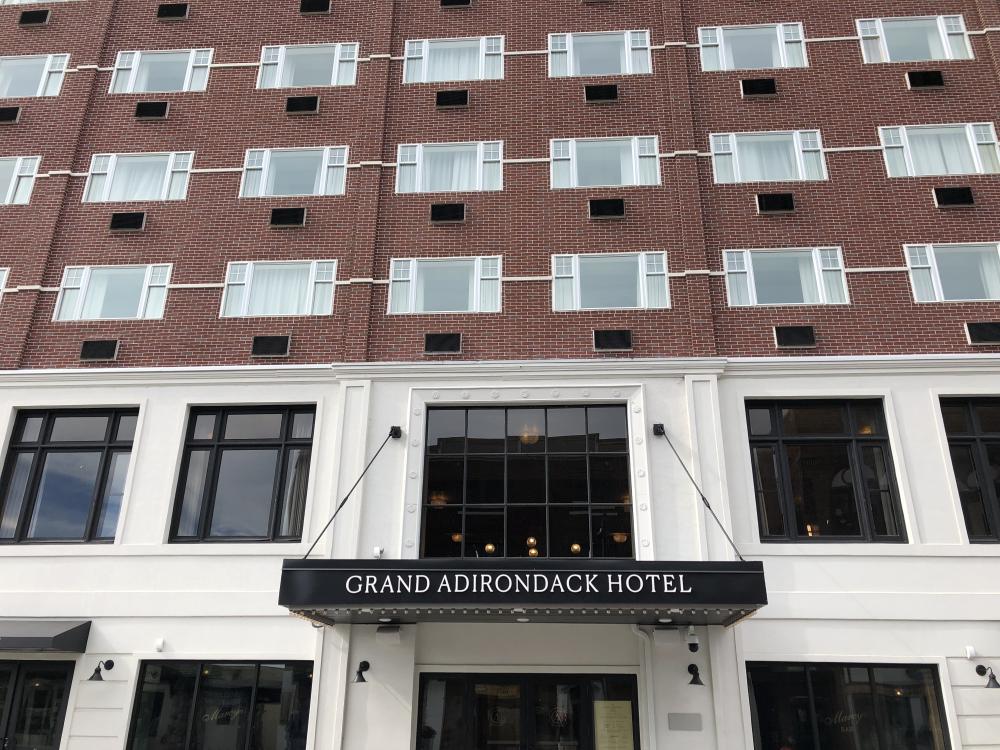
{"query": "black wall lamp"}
pixel 982 671
pixel 97 676
pixel 363 667
pixel 695 675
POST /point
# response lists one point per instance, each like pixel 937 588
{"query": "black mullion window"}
pixel 973 429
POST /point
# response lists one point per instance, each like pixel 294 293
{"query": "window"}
pixel 605 162
pixel 616 53
pixel 175 70
pixel 473 59
pixel 507 711
pixel 954 273
pixel 297 288
pixel 768 157
pixel 138 177
pixel 65 475
pixel 112 292
pixel 920 150
pixel 4 274
pixel 301 65
pixel 294 171
pixel 913 39
pixel 749 47
pixel 33 697
pixel 190 705
pixel 823 471
pixel 846 706
pixel 17 179
pixel 793 276
pixel 449 167
pixel 527 482
pixel 244 475
pixel 973 427
pixel 444 285
pixel 34 75
pixel 612 281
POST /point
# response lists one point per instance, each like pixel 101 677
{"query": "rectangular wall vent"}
pixel 314 6
pixel 288 217
pixel 99 350
pixel 794 337
pixel 953 197
pixel 442 213
pixel 34 17
pixel 442 343
pixel 302 105
pixel 9 115
pixel 151 110
pixel 452 98
pixel 984 332
pixel 613 341
pixel 924 79
pixel 172 11
pixel 600 92
pixel 128 221
pixel 759 87
pixel 606 208
pixel 775 203
pixel 271 346
pixel 456 3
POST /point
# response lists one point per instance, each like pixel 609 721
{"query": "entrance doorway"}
pixel 33 697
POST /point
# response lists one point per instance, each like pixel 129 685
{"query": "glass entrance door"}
pixel 33 697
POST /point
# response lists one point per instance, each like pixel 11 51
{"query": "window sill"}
pixel 195 549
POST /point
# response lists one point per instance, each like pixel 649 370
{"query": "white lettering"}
pixel 684 589
pixel 352 582
pixel 579 583
pixel 522 583
pixel 669 583
pixel 486 583
pixel 387 586
pixel 404 583
pixel 557 585
pixel 540 579
pixel 444 585
pixel 503 583
pixel 370 583
pixel 591 583
pixel 614 583
pixel 461 580
pixel 423 584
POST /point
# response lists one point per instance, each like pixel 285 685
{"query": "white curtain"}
pixel 308 66
pixel 450 168
pixel 6 175
pixel 609 282
pixel 295 173
pixel 445 285
pixel 297 484
pixel 113 293
pixel 21 77
pixel 913 39
pixel 968 272
pixel 599 54
pixel 784 278
pixel 138 178
pixel 453 60
pixel 755 47
pixel 162 71
pixel 279 289
pixel 943 150
pixel 604 162
pixel 769 157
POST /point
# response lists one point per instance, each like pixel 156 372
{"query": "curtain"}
pixel 604 162
pixel 755 47
pixel 456 60
pixel 784 278
pixel 913 39
pixel 295 173
pixel 279 289
pixel 6 175
pixel 21 77
pixel 308 66
pixel 445 285
pixel 450 168
pixel 968 272
pixel 943 150
pixel 138 178
pixel 563 297
pixel 113 293
pixel 769 157
pixel 599 54
pixel 609 282
pixel 162 71
pixel 297 483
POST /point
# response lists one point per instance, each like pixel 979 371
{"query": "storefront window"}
pixel 973 427
pixel 33 698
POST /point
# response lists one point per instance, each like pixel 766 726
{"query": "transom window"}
pixel 823 472
pixel 954 273
pixel 527 482
pixel 445 285
pixel 973 427
pixel 914 39
pixel 138 177
pixel 244 474
pixel 605 162
pixel 278 288
pixel 112 292
pixel 919 150
pixel 302 65
pixel 174 70
pixel 17 179
pixel 768 157
pixel 471 59
pixel 64 479
pixel 32 75
pixel 610 281
pixel 449 167
pixel 613 53
pixel 748 47
pixel 789 276
pixel 294 171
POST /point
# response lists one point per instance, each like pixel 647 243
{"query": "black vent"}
pixel 759 87
pixel 456 3
pixel 925 79
pixel 613 341
pixel 953 197
pixel 607 208
pixel 454 98
pixel 34 17
pixel 984 333
pixel 442 343
pixel 302 105
pixel 794 337
pixel 128 221
pixel 151 110
pixel 271 346
pixel 9 115
pixel 172 11
pixel 97 350
pixel 447 212
pixel 775 203
pixel 604 92
pixel 288 217
pixel 314 6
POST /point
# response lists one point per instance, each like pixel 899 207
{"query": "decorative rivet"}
pixel 616 394
pixel 524 394
pixel 413 475
pixel 435 395
pixel 415 442
pixel 641 472
pixel 555 393
pixel 586 393
pixel 409 542
pixel 638 440
pixel 643 507
pixel 418 411
pixel 636 408
pixel 645 542
pixel 494 394
pixel 411 508
pixel 465 394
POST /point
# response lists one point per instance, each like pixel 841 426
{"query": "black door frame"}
pixel 8 712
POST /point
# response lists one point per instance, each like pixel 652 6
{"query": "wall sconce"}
pixel 363 667
pixel 109 665
pixel 982 671
pixel 695 675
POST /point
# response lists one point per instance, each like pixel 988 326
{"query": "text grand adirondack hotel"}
pixel 647 351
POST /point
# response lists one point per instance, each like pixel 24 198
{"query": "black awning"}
pixel 567 591
pixel 65 636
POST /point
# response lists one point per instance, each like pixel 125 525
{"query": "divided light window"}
pixel 610 281
pixel 445 285
pixel 278 288
pixel 302 65
pixel 17 179
pixel 244 474
pixel 792 276
pixel 191 705
pixel 920 150
pixel 846 706
pixel 65 475
pixel 768 157
pixel 473 59
pixel 823 472
pixel 153 71
pixel 449 167
pixel 32 75
pixel 752 47
pixel 914 39
pixel 294 171
pixel 605 162
pixel 613 53
pixel 954 273
pixel 973 427
pixel 138 177
pixel 527 482
pixel 112 292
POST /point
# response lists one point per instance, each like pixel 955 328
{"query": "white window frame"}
pixel 740 262
pixel 801 147
pixel 177 164
pixel 404 270
pixel 976 134
pixel 867 32
pixel 419 49
pixel 562 44
pixel 55 69
pixel 127 63
pixel 930 251
pixel 334 157
pixel 403 158
pixel 714 36
pixel 274 55
pixel 642 258
pixel 241 272
pixel 26 169
pixel 564 149
pixel 4 276
pixel 82 282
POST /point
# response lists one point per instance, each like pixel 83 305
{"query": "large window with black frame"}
pixel 65 474
pixel 823 472
pixel 536 481
pixel 973 428
pixel 244 474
